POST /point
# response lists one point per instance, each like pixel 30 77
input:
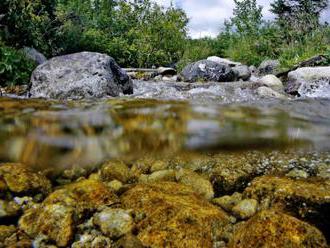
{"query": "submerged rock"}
pixel 128 241
pixel 18 179
pixel 114 223
pixel 198 183
pixel 115 170
pixel 228 202
pixel 64 208
pixel 206 70
pixel 309 81
pixel 245 208
pixel 80 75
pixel 175 216
pixel 6 232
pixel 275 229
pixel 307 199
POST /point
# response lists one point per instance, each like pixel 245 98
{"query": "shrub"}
pixel 15 68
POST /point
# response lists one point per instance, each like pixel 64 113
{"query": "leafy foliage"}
pixel 15 68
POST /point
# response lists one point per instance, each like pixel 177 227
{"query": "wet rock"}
pixel 92 241
pixel 245 208
pixel 62 209
pixel 114 223
pixel 85 195
pixel 269 67
pixel 223 61
pixel 80 75
pixel 324 171
pixel 8 209
pixel 275 229
pixel 115 185
pixel 175 216
pixel 270 93
pixel 115 170
pixel 242 72
pixel 201 185
pixel 309 81
pixel 306 199
pixel 54 220
pixel 34 55
pixel 159 165
pixel 228 202
pixel 5 232
pixel 157 176
pixel 296 173
pixel 17 240
pixel 271 81
pixel 19 179
pixel 128 241
pixel 206 70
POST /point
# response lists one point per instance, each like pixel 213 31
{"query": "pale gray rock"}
pixel 271 81
pixel 223 61
pixel 114 223
pixel 80 75
pixel 309 81
pixel 270 93
pixel 242 72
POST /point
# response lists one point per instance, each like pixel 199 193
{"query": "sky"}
pixel 207 16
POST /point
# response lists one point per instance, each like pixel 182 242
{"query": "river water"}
pixel 161 118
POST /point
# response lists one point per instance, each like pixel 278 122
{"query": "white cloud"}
pixel 207 16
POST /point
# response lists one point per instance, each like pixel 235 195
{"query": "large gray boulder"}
pixel 207 70
pixel 269 67
pixel 34 55
pixel 80 75
pixel 223 61
pixel 308 81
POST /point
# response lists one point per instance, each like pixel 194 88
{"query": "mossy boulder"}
pixel 174 215
pixel 63 209
pixel 275 229
pixel 308 199
pixel 18 179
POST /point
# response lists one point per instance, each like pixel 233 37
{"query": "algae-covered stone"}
pixel 115 170
pixel 157 176
pixel 201 185
pixel 5 232
pixel 8 209
pixel 92 241
pixel 114 222
pixel 228 202
pixel 307 199
pixel 83 195
pixel 128 241
pixel 275 229
pixel 296 173
pixel 245 208
pixel 175 216
pixel 303 196
pixel 54 220
pixel 64 208
pixel 20 179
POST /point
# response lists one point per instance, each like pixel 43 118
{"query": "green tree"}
pixel 247 17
